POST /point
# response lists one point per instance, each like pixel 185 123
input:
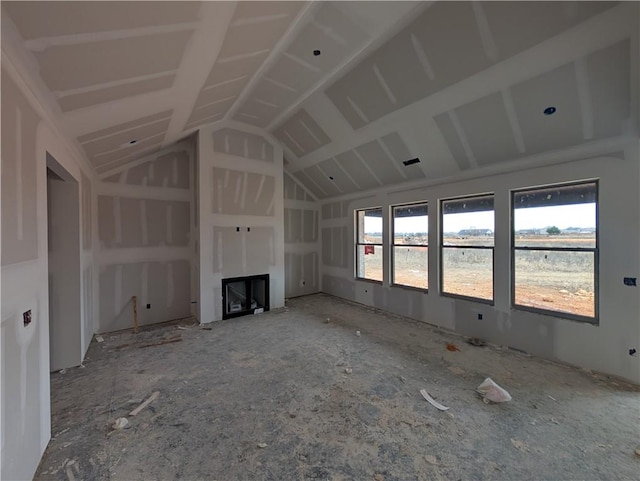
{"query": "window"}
pixel 555 250
pixel 369 244
pixel 411 245
pixel 467 247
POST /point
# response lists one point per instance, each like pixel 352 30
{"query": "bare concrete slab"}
pixel 296 394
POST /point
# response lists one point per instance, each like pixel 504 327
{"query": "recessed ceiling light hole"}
pixel 550 111
pixel 134 141
pixel 316 53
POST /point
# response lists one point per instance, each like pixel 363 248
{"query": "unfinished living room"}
pixel 331 240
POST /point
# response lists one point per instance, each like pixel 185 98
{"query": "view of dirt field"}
pixel 545 279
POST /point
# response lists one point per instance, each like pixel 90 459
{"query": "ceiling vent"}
pixel 411 161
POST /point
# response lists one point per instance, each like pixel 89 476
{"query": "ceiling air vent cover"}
pixel 411 161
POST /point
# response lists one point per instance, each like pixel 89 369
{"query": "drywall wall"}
pixel 241 218
pixel 27 138
pixel 301 240
pixel 603 347
pixel 145 235
pixel 63 227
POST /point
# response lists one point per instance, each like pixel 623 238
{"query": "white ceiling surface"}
pixel 461 85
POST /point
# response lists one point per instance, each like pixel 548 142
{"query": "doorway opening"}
pixel 63 237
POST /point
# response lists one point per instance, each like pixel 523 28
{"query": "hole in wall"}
pixel 26 318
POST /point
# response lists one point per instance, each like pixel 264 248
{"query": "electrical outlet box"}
pixel 630 281
pixel 480 316
pixel 26 318
pixel 148 306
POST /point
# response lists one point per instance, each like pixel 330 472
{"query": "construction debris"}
pixel 120 423
pixel 99 338
pixel 490 391
pixel 452 347
pixel 358 333
pixel 167 340
pixel 476 341
pixel 262 445
pixel 433 402
pixel 151 398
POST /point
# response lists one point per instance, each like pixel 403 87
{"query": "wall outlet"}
pixel 26 318
pixel 480 316
pixel 630 281
pixel 148 306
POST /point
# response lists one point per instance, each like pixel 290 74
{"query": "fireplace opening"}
pixel 245 295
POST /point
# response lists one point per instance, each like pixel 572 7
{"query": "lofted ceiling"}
pixel 461 85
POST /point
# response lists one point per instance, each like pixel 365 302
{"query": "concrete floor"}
pixel 329 404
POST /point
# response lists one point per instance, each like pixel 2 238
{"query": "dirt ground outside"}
pixel 550 280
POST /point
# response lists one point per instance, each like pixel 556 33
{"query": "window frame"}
pixel 393 246
pixel 358 244
pixel 443 293
pixel 595 250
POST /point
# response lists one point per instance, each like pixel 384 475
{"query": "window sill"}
pixel 372 281
pixel 411 288
pixel 480 300
pixel 567 316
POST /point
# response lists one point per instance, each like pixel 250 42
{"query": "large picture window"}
pixel 555 250
pixel 467 230
pixel 411 245
pixel 369 244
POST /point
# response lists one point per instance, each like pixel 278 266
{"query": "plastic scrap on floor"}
pixel 358 333
pixel 490 391
pixel 476 341
pixel 432 401
pixel 99 338
pixel 262 445
pixel 452 347
pixel 120 423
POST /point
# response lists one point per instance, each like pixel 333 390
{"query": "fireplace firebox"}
pixel 245 295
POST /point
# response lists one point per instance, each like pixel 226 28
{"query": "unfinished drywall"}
pixel 301 240
pixel 603 347
pixel 146 239
pixel 63 242
pixel 241 223
pixel 27 138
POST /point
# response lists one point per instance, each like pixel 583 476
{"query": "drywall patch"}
pixel 310 226
pixel 242 144
pixel 168 294
pixel 19 190
pixel 260 250
pixel 87 237
pixel 338 286
pixel 242 193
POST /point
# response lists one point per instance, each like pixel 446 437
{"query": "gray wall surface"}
pixel 241 227
pixel 603 347
pixel 146 240
pixel 27 140
pixel 301 240
pixel 63 220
